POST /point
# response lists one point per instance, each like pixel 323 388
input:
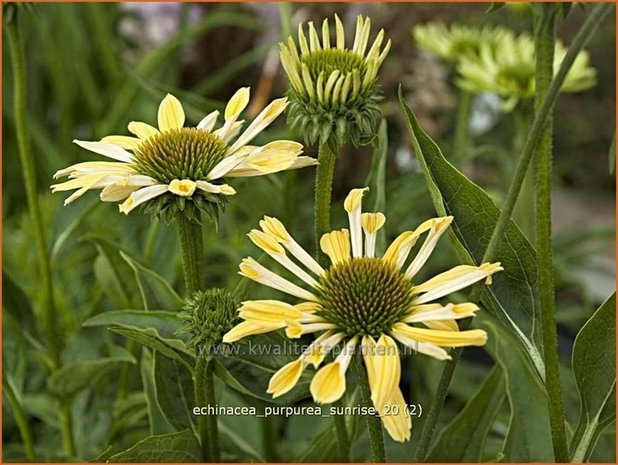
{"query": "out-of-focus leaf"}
pixel 513 296
pixel 594 366
pixel 73 377
pixel 182 447
pixel 172 348
pixel 174 391
pixel 157 422
pixel 155 291
pixel 165 323
pixel 16 303
pixel 494 7
pixel 128 412
pixel 248 365
pixel 463 439
pixel 612 155
pixel 376 179
pixel 114 275
pixel 529 434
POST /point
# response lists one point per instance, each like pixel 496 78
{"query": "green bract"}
pixel 333 90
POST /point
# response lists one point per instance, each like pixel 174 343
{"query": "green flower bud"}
pixel 333 90
pixel 208 315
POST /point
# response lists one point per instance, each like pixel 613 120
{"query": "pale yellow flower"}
pixel 508 69
pixel 182 162
pixel 359 302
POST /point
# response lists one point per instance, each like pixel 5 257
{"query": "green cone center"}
pixel 184 153
pixel 364 296
pixel 330 60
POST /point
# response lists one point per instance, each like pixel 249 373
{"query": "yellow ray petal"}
pixel 171 115
pixel 387 370
pixel 142 130
pixel 472 337
pixel 328 384
pixel 245 329
pixel 336 245
pixel 286 378
pixel 237 103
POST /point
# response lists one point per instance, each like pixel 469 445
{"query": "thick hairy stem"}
pixel 545 43
pixel 204 397
pixel 323 191
pixel 190 233
pixel 374 424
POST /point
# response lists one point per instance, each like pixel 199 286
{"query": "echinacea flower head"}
pixel 509 70
pixel 360 301
pixel 333 89
pixel 167 167
pixel 456 40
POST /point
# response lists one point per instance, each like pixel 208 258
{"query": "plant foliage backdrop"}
pixel 496 120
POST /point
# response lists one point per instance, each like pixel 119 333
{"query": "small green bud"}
pixel 208 315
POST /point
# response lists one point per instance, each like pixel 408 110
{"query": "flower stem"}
pixel 374 424
pixel 50 317
pixel 342 435
pixel 540 118
pixel 190 233
pixel 193 264
pixel 545 44
pixel 205 397
pixel 323 191
pixel 462 126
pixel 20 419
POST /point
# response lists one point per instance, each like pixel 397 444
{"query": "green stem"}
pixel 193 263
pixel 20 419
pixel 204 397
pixel 592 22
pixel 374 424
pixel 342 434
pixel 462 126
pixel 268 429
pixel 323 191
pixel 545 44
pixel 50 318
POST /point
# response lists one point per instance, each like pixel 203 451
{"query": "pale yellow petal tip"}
pixel 276 107
pixel 182 188
pixel 293 330
pixel 491 268
pixel 247 268
pixel 227 190
pixel 353 200
pixel 275 227
pixel 266 242
pixel 285 379
pixel 328 384
pixel 372 222
pixel 237 103
pixel 171 114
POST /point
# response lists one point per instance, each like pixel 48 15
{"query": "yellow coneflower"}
pixel 174 162
pixel 360 300
pixel 456 40
pixel 508 69
pixel 333 90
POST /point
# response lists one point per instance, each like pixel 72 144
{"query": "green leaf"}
pixel 594 366
pixel 174 391
pixel 248 365
pixel 513 298
pixel 166 324
pixel 376 179
pixel 155 291
pixel 149 337
pixel 157 421
pixel 494 7
pixel 113 274
pixel 75 376
pixel 529 434
pixel 180 447
pixel 463 439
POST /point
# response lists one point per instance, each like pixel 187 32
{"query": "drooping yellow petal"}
pixel 387 370
pixel 472 337
pixel 182 188
pixel 243 330
pixel 286 378
pixel 336 245
pixel 442 325
pixel 397 422
pixel 268 311
pixel 171 115
pixel 328 384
